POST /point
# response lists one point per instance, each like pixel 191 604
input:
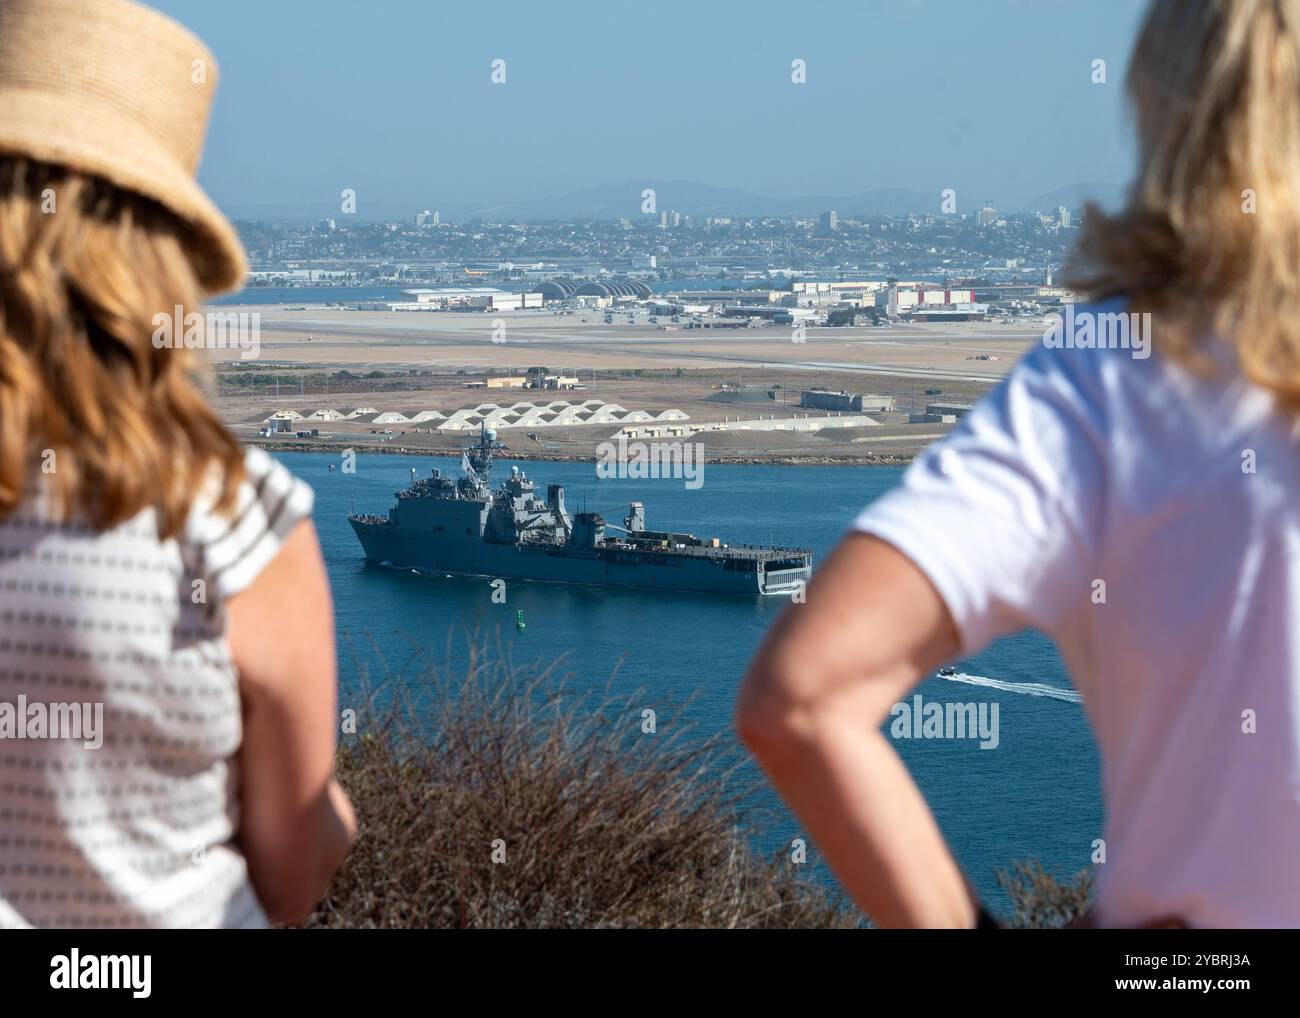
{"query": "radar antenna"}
pixel 476 460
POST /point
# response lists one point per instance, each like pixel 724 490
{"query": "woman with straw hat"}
pixel 166 645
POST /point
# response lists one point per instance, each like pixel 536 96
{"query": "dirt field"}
pixel 681 368
pixel 454 340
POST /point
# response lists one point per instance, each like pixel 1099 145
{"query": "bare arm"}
pixel 297 822
pixel 810 711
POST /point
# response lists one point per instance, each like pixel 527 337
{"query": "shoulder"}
pixel 1093 367
pixel 234 546
pixel 1094 344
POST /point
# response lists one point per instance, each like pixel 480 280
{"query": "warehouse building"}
pixel 955 410
pixel 523 414
pixel 465 298
pixel 824 399
pixel 773 423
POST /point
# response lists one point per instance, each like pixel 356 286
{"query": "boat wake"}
pixel 1023 688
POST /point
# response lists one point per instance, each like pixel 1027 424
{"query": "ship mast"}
pixel 476 462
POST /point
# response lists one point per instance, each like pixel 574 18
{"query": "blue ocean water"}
pixel 294 295
pixel 1036 796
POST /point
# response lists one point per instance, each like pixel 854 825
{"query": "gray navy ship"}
pixel 461 525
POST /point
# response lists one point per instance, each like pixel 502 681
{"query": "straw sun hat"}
pixel 120 91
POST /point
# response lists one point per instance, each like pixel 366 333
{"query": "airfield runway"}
pixel 679 367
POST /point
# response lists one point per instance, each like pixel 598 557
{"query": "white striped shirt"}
pixel 139 831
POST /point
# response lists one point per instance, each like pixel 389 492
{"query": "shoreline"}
pixel 391 449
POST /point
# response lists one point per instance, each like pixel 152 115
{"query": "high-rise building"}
pixel 424 218
pixel 829 222
pixel 1063 217
pixel 987 216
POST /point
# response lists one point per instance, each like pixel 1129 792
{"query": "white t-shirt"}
pixel 1182 496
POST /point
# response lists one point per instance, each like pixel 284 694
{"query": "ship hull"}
pixel 606 567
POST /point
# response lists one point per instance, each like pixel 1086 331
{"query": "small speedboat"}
pixel 947 672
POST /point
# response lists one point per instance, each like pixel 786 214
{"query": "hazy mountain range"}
pixel 614 201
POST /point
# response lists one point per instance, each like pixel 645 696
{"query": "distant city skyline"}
pixel 396 102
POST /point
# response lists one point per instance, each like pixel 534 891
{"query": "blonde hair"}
pixel 84 267
pixel 1210 239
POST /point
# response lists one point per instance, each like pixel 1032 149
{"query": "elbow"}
pixel 756 722
pixel 289 891
pixel 285 906
pixel 293 873
pixel 790 704
pixel 768 719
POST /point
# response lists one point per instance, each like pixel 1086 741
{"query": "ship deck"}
pixel 746 552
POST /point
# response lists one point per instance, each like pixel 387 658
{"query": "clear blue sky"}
pixel 394 97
